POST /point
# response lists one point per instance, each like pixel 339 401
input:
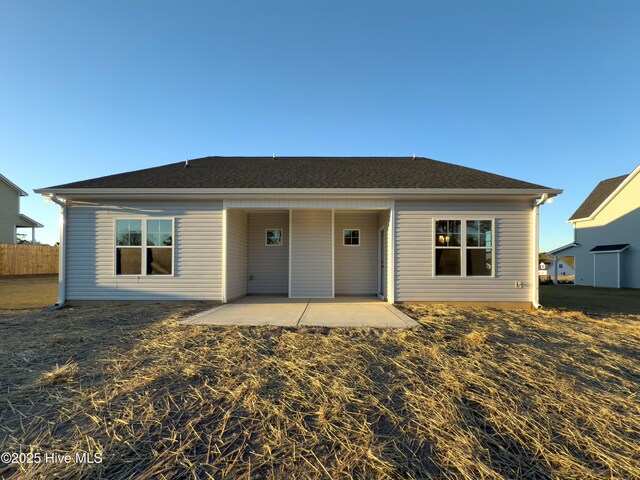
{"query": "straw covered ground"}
pixel 471 393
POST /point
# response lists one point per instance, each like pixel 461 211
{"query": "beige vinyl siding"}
pixel 90 273
pixel 268 266
pixel 9 210
pixel 236 253
pixel 311 254
pixel 384 221
pixel 414 252
pixel 355 266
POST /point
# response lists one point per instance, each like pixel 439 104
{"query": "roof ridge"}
pixel 615 178
pixel 329 172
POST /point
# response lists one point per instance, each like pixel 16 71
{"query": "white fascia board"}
pixel 291 192
pixel 610 198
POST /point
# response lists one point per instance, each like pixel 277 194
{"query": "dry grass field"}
pixel 591 300
pixel 471 393
pixel 28 292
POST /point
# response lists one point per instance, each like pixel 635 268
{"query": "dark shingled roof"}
pixel 610 248
pixel 597 196
pixel 305 172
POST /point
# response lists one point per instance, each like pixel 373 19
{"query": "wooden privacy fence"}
pixel 28 259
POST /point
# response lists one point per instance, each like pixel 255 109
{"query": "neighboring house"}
pixel 218 228
pixel 606 244
pixel 564 268
pixel 565 271
pixel 543 267
pixel 10 217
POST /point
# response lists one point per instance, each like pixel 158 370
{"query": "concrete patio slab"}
pixel 351 299
pixel 252 312
pixel 290 312
pixel 342 314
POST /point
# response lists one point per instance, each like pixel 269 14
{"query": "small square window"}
pixel 273 237
pixel 351 237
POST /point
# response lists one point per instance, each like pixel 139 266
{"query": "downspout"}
pixel 391 289
pixel 535 290
pixel 61 254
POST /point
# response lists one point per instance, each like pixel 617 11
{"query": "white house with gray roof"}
pixel 218 228
pixel 606 243
pixel 10 217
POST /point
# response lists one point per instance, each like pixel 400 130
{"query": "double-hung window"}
pixel 448 247
pixel 464 248
pixel 147 243
pixel 479 247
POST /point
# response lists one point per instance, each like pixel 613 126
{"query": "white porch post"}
pixel 391 287
pixel 333 253
pixel 290 237
pixel 618 269
pixel 224 252
pixel 535 256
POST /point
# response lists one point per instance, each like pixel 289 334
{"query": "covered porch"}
pixel 24 222
pixel 307 253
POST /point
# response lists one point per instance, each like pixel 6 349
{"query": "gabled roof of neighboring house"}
pixel 21 192
pixel 305 172
pixel 599 194
pixel 564 247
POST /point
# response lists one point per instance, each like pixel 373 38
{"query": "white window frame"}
pixel 351 230
pixel 463 246
pixel 274 244
pixel 144 247
pixel 438 247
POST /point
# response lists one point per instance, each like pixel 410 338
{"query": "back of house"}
pixel 218 228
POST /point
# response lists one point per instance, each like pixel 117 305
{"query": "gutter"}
pixel 61 254
pixel 535 291
pixel 293 192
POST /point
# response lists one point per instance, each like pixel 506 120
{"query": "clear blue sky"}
pixel 544 91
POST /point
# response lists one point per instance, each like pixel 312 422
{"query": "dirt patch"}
pixel 27 292
pixel 470 393
pixel 591 300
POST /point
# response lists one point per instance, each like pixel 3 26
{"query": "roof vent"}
pixel 274 156
pixel 186 163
